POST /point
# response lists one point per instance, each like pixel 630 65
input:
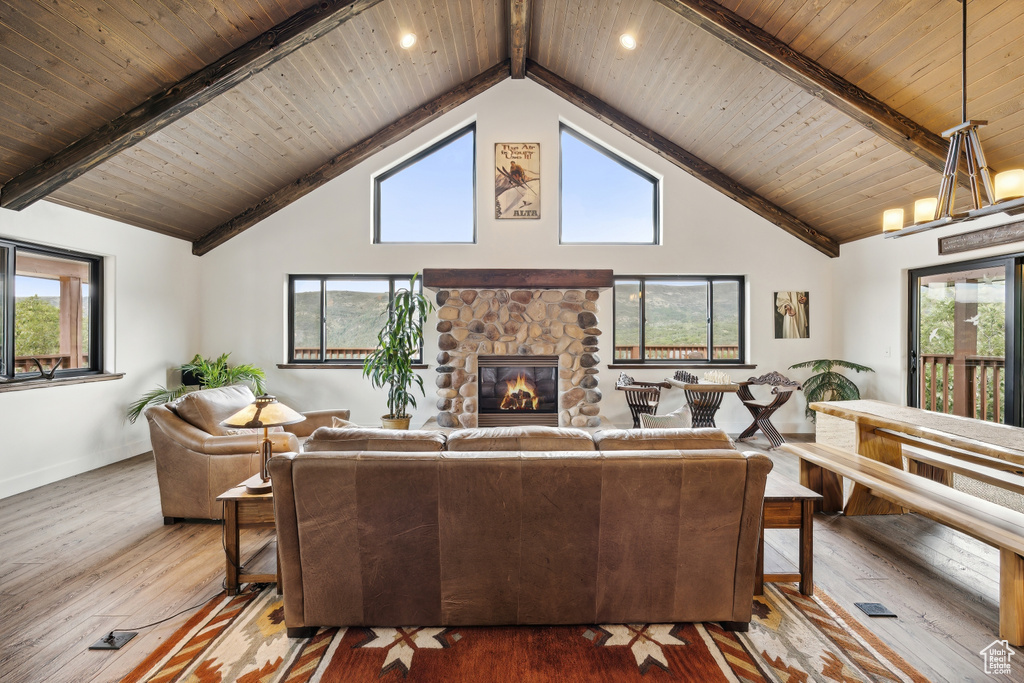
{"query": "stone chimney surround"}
pixel 517 320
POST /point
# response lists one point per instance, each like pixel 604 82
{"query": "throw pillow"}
pixel 338 422
pixel 624 380
pixel 679 419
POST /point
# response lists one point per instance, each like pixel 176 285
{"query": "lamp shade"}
pixel 924 209
pixel 1009 184
pixel 892 220
pixel 265 411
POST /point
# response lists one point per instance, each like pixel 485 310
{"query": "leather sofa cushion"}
pixel 530 438
pixel 206 409
pixel 661 439
pixel 374 439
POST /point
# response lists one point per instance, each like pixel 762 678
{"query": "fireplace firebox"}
pixel 518 390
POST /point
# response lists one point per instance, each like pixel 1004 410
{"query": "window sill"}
pixel 680 366
pixel 335 366
pixel 61 381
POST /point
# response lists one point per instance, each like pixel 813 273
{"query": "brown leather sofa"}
pixel 197 459
pixel 476 537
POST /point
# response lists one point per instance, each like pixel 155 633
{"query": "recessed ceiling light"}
pixel 627 41
pixel 408 40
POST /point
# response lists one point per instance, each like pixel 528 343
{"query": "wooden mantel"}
pixel 518 278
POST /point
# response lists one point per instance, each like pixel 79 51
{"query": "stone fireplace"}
pixel 547 336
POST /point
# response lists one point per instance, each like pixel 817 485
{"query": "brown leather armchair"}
pixel 197 459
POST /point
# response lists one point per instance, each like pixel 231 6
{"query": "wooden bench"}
pixel 883 484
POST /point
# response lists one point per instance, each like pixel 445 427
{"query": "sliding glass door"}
pixel 964 339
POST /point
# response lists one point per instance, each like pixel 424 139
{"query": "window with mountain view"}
pixel 679 319
pixel 605 199
pixel 430 197
pixel 49 308
pixel 335 318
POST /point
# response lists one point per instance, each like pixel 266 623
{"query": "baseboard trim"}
pixel 26 481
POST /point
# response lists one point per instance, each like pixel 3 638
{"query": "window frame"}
pixel 324 278
pixel 622 161
pixel 1013 355
pixel 469 129
pixel 741 354
pixel 96 295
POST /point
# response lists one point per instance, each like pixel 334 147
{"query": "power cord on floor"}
pixel 116 642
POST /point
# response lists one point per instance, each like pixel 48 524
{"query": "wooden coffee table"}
pixel 250 510
pixel 788 505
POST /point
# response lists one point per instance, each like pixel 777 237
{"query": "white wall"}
pixel 329 231
pixel 150 324
pixel 872 301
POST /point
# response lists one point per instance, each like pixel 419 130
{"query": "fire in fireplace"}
pixel 517 390
pixel 520 394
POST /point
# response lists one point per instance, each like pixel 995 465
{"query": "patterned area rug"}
pixel 792 638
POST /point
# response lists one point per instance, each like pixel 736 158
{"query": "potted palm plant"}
pixel 398 342
pixel 201 373
pixel 827 384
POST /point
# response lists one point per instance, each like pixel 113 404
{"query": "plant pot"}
pixel 388 422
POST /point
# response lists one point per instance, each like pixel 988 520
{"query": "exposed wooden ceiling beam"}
pixel 179 100
pixel 773 54
pixel 693 165
pixel 352 156
pixel 518 35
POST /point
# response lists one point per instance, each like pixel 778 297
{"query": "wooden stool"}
pixel 641 397
pixel 762 410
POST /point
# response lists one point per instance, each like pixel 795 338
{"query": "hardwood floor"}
pixel 90 553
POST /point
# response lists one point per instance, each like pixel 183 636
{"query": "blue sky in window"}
pixel 602 200
pixel 29 286
pixel 431 200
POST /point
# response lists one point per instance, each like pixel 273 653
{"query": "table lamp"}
pixel 264 412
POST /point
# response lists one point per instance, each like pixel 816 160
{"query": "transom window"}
pixel 335 318
pixel 678 319
pixel 430 197
pixel 49 310
pixel 605 199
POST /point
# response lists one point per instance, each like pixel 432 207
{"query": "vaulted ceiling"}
pixel 198 118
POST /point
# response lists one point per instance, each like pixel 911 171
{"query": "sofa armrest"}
pixel 286 522
pixel 758 467
pixel 281 442
pixel 316 418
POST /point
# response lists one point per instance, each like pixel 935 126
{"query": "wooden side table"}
pixel 788 505
pixel 244 509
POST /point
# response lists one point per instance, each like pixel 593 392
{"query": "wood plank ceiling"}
pixel 67 69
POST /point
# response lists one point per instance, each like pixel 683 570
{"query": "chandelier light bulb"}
pixel 627 41
pixel 408 40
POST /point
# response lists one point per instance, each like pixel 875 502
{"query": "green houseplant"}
pixel 398 342
pixel 208 374
pixel 827 384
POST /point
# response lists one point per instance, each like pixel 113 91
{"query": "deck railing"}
pixel 333 353
pixel 25 364
pixel 975 389
pixel 683 352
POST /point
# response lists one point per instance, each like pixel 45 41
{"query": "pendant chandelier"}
pixel 1003 194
